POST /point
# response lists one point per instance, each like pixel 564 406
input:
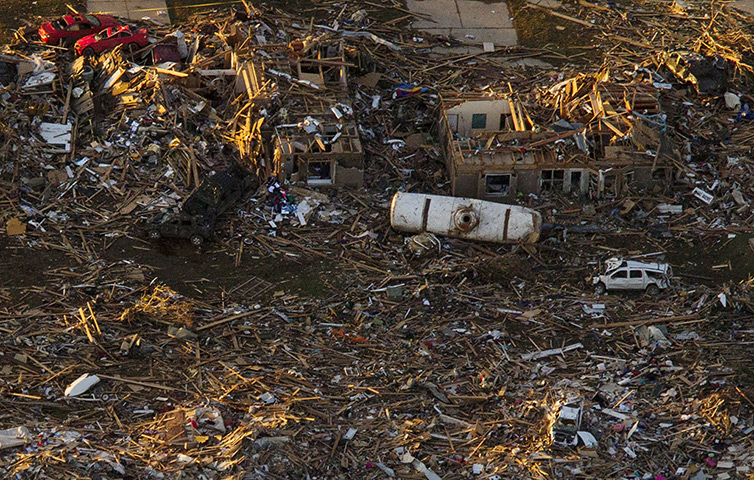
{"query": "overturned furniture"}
pixel 464 218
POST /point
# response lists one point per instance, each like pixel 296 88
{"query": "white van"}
pixel 622 274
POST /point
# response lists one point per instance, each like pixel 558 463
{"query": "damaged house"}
pixel 492 152
pixel 609 138
pixel 307 118
pixel 316 138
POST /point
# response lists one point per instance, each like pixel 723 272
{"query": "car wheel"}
pixel 653 290
pixel 600 288
pixel 197 240
pixel 154 234
pixel 88 52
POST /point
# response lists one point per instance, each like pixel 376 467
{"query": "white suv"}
pixel 633 275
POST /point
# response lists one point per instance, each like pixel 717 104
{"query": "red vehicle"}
pixel 112 37
pixel 70 28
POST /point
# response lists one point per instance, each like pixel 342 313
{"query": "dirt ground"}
pixel 202 275
pixel 212 273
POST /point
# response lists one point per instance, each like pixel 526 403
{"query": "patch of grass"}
pixel 182 10
pixel 538 29
pixel 14 12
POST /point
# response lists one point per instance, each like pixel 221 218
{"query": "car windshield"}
pixel 94 21
pixel 613 263
pixel 103 34
pixel 58 24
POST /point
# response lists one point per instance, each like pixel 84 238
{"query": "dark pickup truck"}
pixel 197 219
pixel 196 228
pixel 218 192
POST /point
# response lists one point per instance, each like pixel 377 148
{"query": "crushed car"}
pixel 69 28
pixel 564 431
pixel 706 74
pixel 111 38
pixel 619 274
pixel 198 216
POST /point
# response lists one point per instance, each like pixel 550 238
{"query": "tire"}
pixel 197 240
pixel 154 234
pixel 653 290
pixel 600 288
pixel 88 52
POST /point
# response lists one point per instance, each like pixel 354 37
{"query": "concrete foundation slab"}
pixel 468 21
pixel 132 9
pixel 745 5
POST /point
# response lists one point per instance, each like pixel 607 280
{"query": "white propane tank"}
pixel 467 218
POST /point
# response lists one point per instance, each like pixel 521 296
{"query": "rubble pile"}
pixel 308 339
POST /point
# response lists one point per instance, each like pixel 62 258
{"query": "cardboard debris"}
pixel 14 226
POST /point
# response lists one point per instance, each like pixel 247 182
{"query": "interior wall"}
pixel 493 109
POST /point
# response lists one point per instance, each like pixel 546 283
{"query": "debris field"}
pixel 200 278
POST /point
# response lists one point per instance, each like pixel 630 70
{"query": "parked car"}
pixel 622 274
pixel 564 432
pixel 69 28
pixel 197 228
pixel 111 38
